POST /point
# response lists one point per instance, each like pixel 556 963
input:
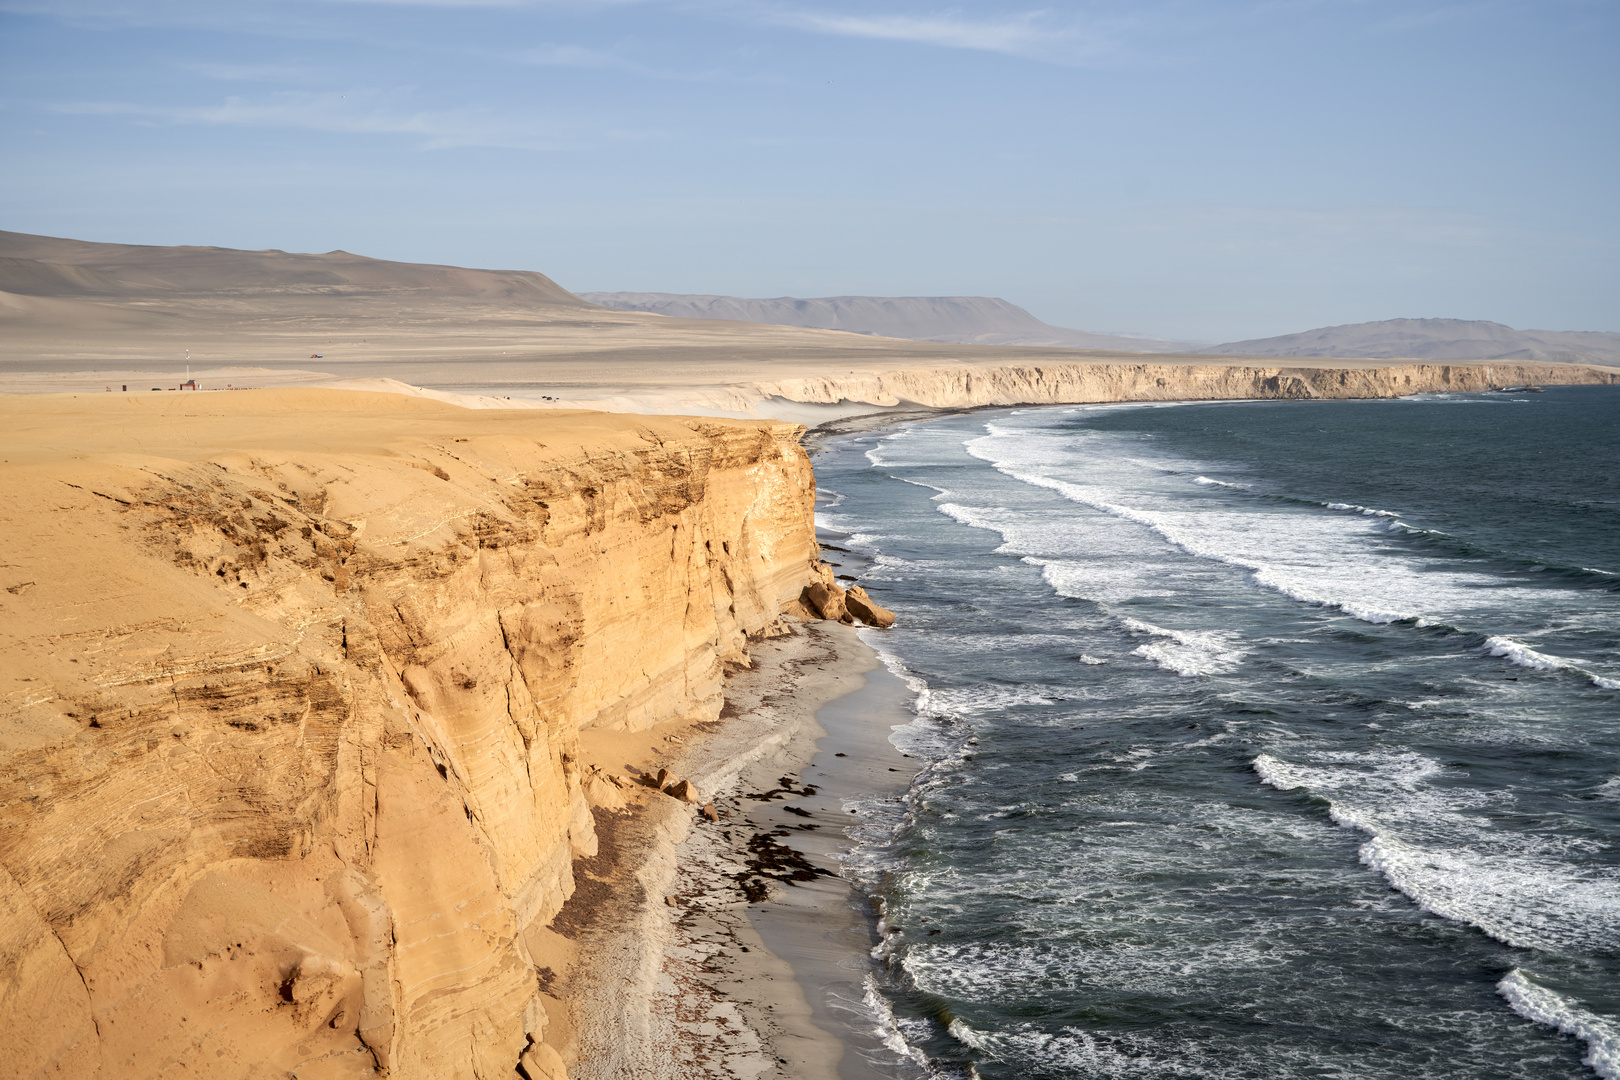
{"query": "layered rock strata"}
pixel 971 385
pixel 291 692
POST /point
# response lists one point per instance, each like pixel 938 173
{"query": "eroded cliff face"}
pixel 969 385
pixel 292 691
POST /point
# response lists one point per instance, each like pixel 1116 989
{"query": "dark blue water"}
pixel 1264 739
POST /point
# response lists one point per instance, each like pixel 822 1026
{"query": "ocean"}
pixel 1258 739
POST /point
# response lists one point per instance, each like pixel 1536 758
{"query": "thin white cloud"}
pixel 365 113
pixel 494 3
pixel 250 72
pixel 581 58
pixel 1280 228
pixel 1031 34
pixel 1012 36
pixel 573 56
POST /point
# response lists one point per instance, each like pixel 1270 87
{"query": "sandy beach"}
pixel 735 948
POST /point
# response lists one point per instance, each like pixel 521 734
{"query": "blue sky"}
pixel 1194 169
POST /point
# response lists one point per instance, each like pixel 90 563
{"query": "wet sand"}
pixel 825 930
pixel 736 948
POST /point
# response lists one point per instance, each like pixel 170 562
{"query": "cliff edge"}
pixel 291 692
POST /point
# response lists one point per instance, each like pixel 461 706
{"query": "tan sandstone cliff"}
pixel 291 687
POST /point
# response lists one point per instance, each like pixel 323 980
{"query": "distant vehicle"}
pixel 316 355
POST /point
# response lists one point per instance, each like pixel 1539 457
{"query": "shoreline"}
pixel 685 975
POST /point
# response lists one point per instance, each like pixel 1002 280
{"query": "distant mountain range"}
pixel 971 320
pixel 984 320
pixel 53 288
pixel 1436 339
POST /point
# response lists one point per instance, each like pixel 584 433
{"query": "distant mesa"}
pixel 56 268
pixel 1436 339
pixel 970 320
pixel 986 320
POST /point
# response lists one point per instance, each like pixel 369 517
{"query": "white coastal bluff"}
pixel 968 385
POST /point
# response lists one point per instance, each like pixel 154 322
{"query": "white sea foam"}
pixel 1515 652
pixel 988 518
pixel 1523 655
pixel 1432 844
pixel 887 1027
pixel 1103 580
pixel 1080 1053
pixel 966 702
pixel 1091 660
pixel 1343 561
pixel 1188 653
pixel 1364 510
pixel 1535 1002
pixel 834 498
pixel 1309 559
pixel 877 455
pixel 1207 482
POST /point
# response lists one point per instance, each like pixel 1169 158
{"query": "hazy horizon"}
pixel 1194 171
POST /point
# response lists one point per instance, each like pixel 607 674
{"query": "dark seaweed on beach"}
pixel 787 788
pixel 776 861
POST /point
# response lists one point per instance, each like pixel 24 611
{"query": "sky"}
pixel 1191 169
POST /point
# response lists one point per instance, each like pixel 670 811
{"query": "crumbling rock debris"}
pixel 541 1062
pixel 682 790
pixel 603 790
pixel 826 599
pixel 864 608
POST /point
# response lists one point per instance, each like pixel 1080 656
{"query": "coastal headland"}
pixel 299 694
pixel 333 709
